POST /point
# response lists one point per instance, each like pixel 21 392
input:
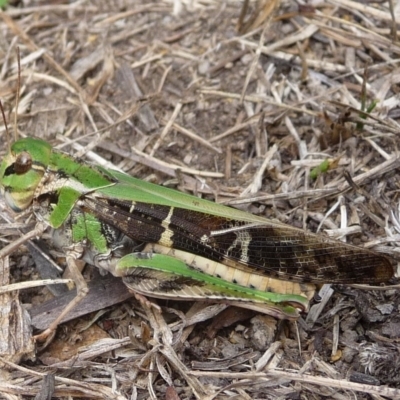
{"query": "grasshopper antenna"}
pixel 17 97
pixel 5 124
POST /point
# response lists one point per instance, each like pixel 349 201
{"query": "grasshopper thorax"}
pixel 22 170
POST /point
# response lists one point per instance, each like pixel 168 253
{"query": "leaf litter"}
pixel 266 106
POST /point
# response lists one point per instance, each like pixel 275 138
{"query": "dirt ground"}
pixel 264 108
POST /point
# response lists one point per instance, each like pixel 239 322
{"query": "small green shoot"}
pixel 320 169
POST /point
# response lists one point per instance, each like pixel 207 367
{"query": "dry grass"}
pixel 171 92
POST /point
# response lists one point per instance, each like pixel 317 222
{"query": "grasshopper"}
pixel 172 245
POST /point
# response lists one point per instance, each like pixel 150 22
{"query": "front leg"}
pixel 81 291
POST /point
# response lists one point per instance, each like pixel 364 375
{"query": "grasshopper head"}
pixel 22 170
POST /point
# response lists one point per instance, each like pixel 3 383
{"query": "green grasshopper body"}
pixel 168 244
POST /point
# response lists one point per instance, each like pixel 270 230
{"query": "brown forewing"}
pixel 272 249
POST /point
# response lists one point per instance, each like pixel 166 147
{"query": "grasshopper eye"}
pixel 23 163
